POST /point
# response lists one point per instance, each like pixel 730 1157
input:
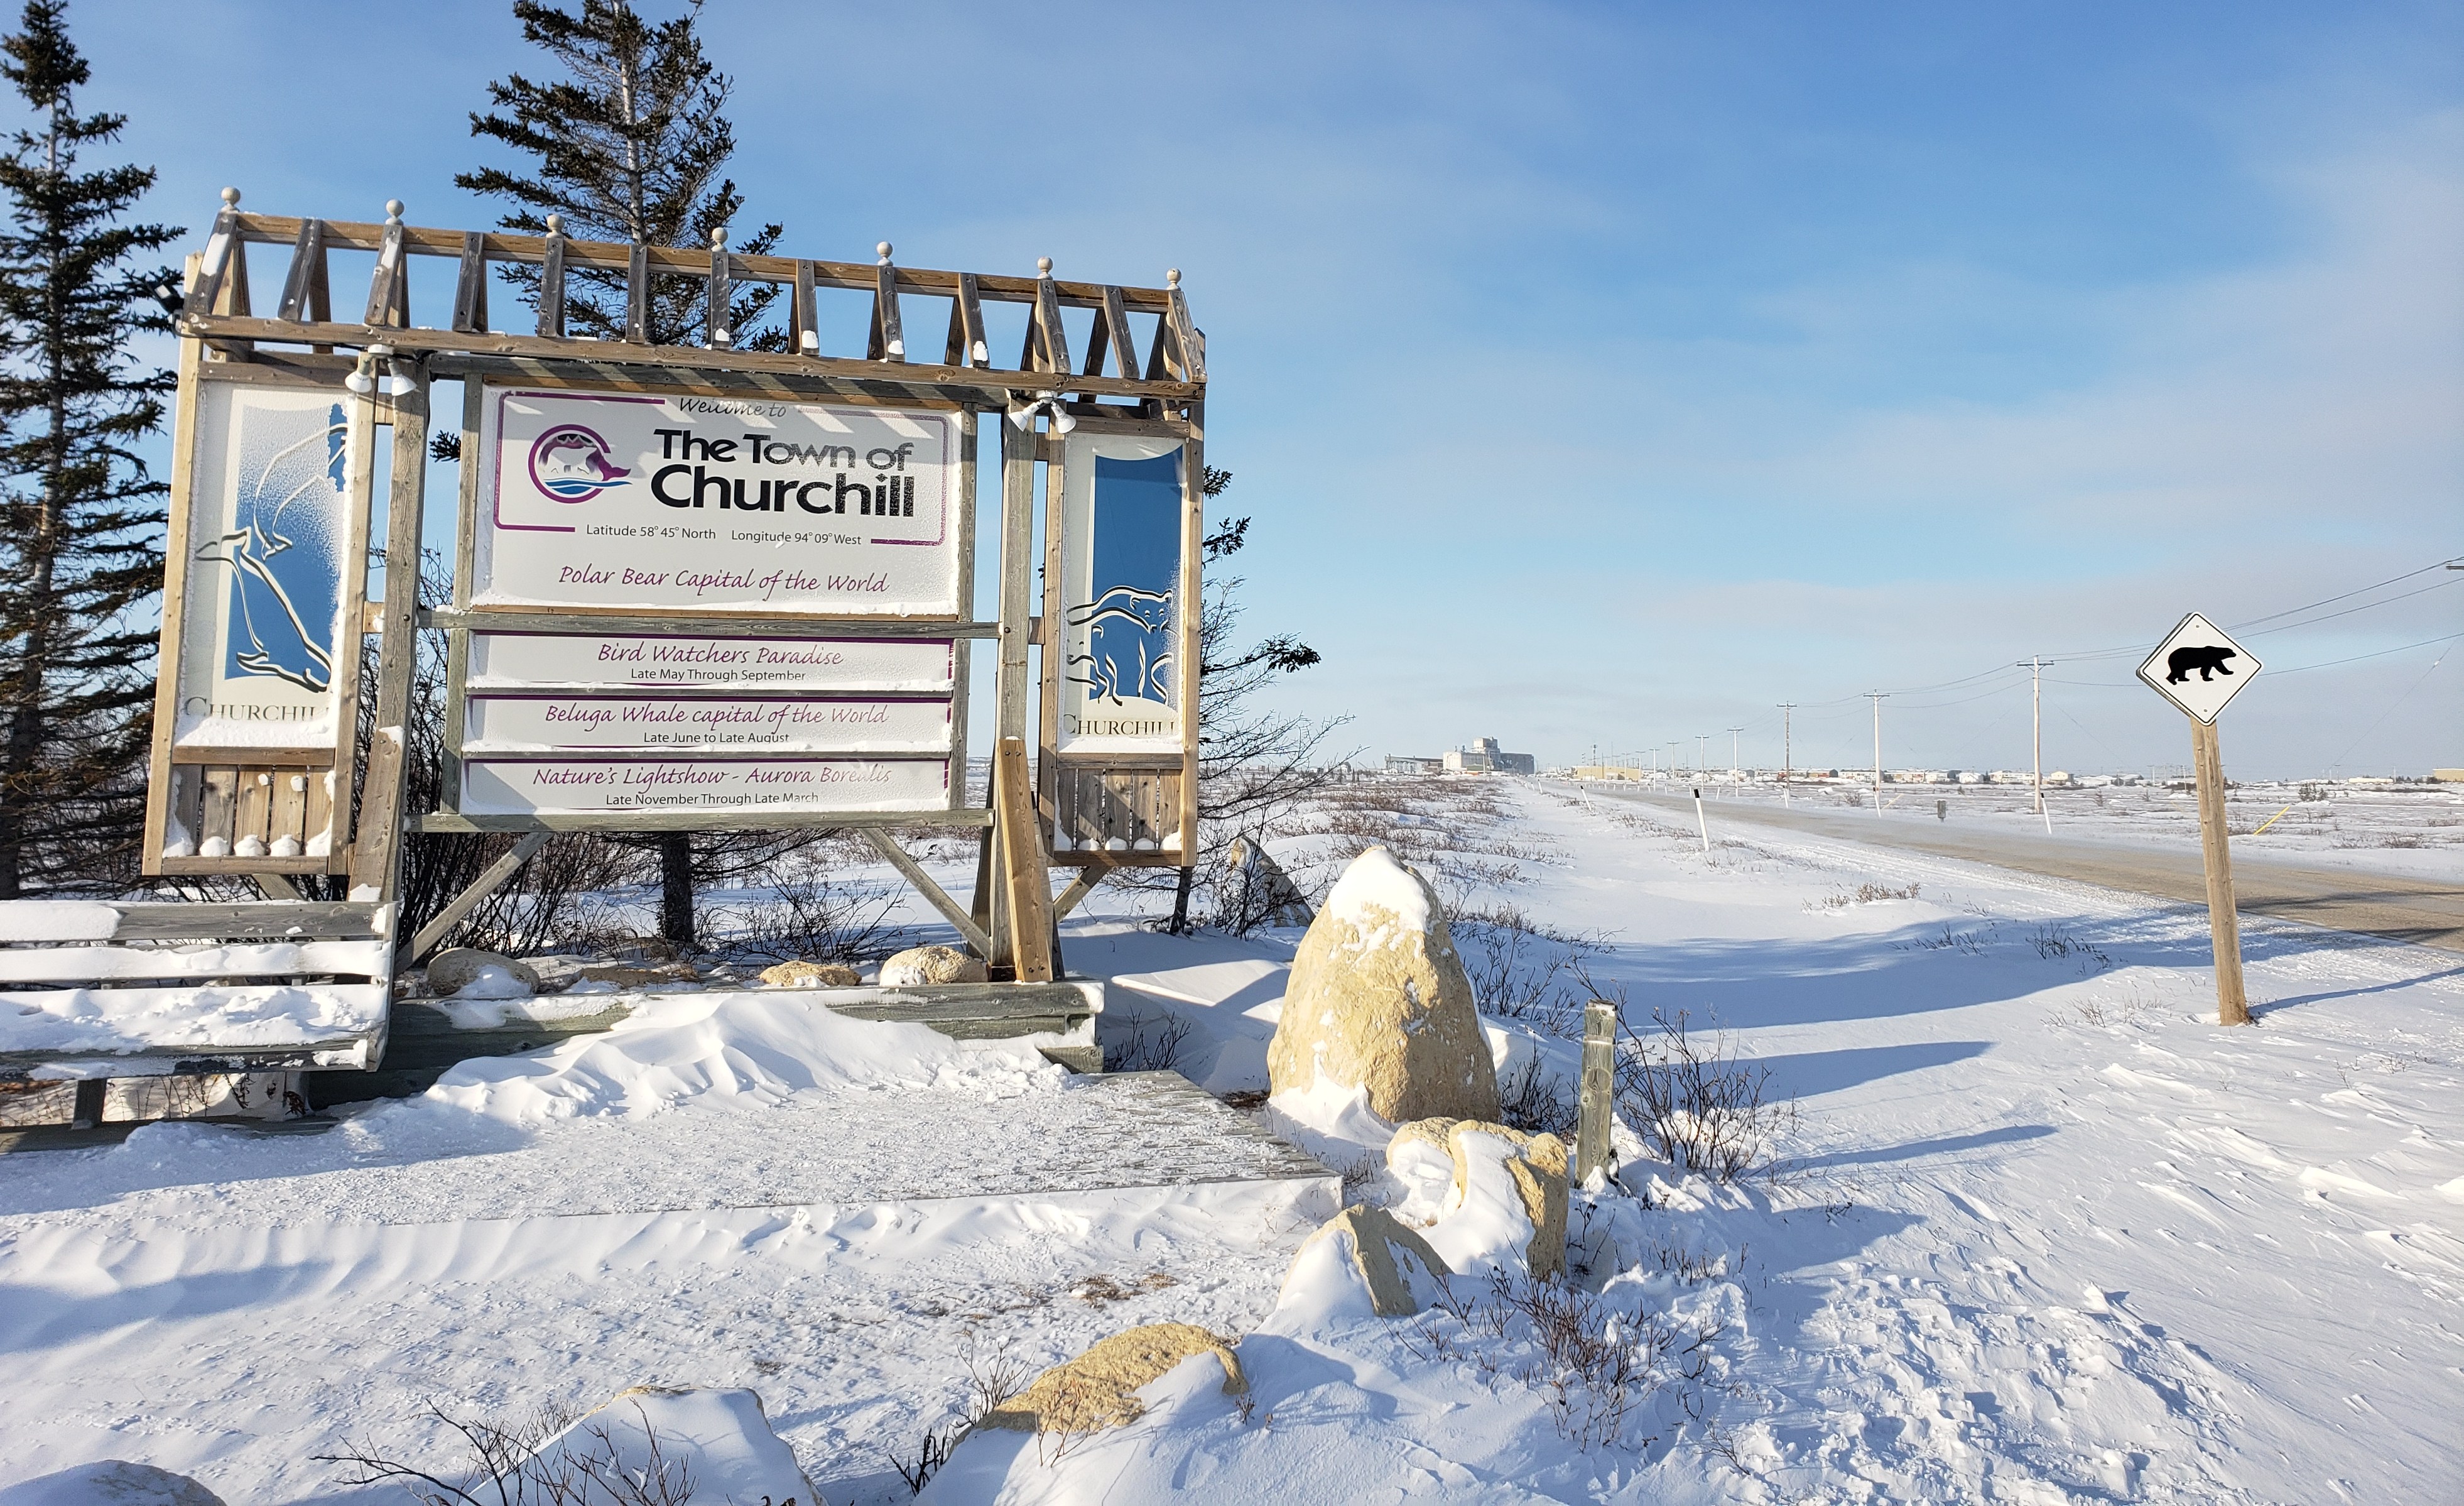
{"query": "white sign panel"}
pixel 765 723
pixel 268 524
pixel 585 785
pixel 2198 669
pixel 623 660
pixel 646 502
pixel 1121 676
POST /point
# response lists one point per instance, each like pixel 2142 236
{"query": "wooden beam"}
pixel 222 243
pixel 803 310
pixel 389 287
pixel 1028 875
pixel 616 256
pixel 551 283
pixel 715 332
pixel 637 294
pixel 965 383
pixel 490 881
pixel 887 341
pixel 307 273
pixel 933 894
pixel 1114 319
pixel 1188 345
pixel 1080 887
pixel 174 607
pixel 471 286
pixel 1046 317
pixel 378 840
pixel 967 313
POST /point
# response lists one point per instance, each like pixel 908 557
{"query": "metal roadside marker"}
pixel 2199 669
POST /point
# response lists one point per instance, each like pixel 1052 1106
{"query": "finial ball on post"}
pixel 883 249
pixel 719 237
pixel 393 209
pixel 556 224
pixel 1171 276
pixel 231 198
pixel 1043 266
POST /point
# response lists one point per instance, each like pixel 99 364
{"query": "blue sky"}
pixel 1609 374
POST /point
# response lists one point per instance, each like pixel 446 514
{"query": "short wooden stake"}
pixel 1598 1091
pixel 2224 928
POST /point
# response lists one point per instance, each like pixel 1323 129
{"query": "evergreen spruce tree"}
pixel 79 552
pixel 631 146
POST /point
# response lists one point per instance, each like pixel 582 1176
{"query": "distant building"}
pixel 1485 757
pixel 1607 771
pixel 2447 776
pixel 1405 763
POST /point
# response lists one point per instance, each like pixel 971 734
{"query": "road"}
pixel 2401 908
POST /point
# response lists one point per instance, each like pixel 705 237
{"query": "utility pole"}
pixel 1877 696
pixel 1787 711
pixel 1672 759
pixel 1701 754
pixel 2036 668
pixel 1736 775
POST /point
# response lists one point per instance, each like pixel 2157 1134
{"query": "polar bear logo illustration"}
pixel 2202 658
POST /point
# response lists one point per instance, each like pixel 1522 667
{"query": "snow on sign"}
pixel 2198 669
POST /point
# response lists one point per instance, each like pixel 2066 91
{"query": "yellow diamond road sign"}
pixel 2198 669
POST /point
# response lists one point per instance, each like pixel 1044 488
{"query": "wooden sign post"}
pixel 2194 668
pixel 2224 926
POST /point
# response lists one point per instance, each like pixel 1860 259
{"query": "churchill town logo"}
pixel 572 464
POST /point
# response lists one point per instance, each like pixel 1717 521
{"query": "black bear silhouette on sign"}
pixel 2179 663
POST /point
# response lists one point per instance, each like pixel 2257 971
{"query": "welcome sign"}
pixel 584 785
pixel 268 529
pixel 637 502
pixel 1121 677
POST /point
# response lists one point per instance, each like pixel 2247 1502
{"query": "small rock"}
pixel 109 1483
pixel 801 974
pixel 1383 1252
pixel 1504 1180
pixel 657 1438
pixel 1099 1388
pixel 456 968
pixel 930 965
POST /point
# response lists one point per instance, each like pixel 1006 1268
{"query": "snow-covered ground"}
pixel 2415 830
pixel 2050 1234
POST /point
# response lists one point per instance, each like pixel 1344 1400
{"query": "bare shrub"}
pixel 2058 942
pixel 1539 1103
pixel 1521 969
pixel 1696 1105
pixel 502 1465
pixel 994 1376
pixel 1867 894
pixel 814 914
pixel 1145 1050
pixel 1597 1360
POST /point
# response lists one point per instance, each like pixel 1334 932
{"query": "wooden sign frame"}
pixel 1166 390
pixel 1106 810
pixel 237 796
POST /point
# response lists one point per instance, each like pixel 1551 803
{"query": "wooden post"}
pixel 1599 1089
pixel 2224 928
pixel 377 847
pixel 1026 869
